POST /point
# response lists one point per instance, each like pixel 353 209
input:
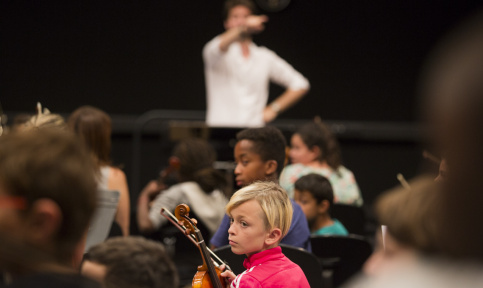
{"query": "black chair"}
pixel 353 217
pixel 306 260
pixel 343 256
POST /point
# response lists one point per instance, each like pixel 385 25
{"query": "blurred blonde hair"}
pixel 273 200
pixel 408 213
pixel 44 119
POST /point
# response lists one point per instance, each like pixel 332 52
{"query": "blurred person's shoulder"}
pixel 426 272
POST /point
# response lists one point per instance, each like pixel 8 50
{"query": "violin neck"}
pixel 215 281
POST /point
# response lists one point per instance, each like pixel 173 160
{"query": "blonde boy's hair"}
pixel 273 200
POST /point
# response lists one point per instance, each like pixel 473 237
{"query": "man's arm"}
pixel 286 76
pixel 230 36
pixel 282 103
pixel 253 25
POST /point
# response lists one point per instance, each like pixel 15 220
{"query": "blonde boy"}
pixel 260 215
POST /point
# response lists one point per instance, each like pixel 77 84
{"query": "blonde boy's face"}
pixel 247 233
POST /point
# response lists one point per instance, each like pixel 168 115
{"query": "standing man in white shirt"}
pixel 238 73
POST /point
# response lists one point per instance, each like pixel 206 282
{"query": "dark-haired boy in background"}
pixel 314 194
pixel 260 156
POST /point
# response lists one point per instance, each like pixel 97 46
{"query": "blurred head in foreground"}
pixel 46 200
pixel 130 262
pixel 409 227
pixel 453 106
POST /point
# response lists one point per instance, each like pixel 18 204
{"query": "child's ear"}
pixel 316 150
pixel 44 221
pixel 323 207
pixel 274 237
pixel 271 167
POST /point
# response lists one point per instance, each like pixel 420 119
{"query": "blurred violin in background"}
pixel 169 176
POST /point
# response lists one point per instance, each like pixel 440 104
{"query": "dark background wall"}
pixel 363 59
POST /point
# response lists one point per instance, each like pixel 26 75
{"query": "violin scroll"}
pixel 182 214
pixel 208 275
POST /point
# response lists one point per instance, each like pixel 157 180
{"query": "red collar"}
pixel 260 257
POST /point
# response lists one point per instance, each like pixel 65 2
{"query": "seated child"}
pixel 313 192
pixel 260 156
pixel 315 149
pixel 260 216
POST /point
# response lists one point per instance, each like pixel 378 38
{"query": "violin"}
pixel 208 274
pixel 169 176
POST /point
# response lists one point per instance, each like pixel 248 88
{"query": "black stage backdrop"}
pixel 362 58
pixel 126 57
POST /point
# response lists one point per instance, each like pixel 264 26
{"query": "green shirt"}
pixel 335 229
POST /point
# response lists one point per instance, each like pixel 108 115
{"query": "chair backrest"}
pixel 103 217
pixel 353 217
pixel 344 255
pixel 306 260
pixel 233 260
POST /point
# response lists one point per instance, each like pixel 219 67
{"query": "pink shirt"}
pixel 270 268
